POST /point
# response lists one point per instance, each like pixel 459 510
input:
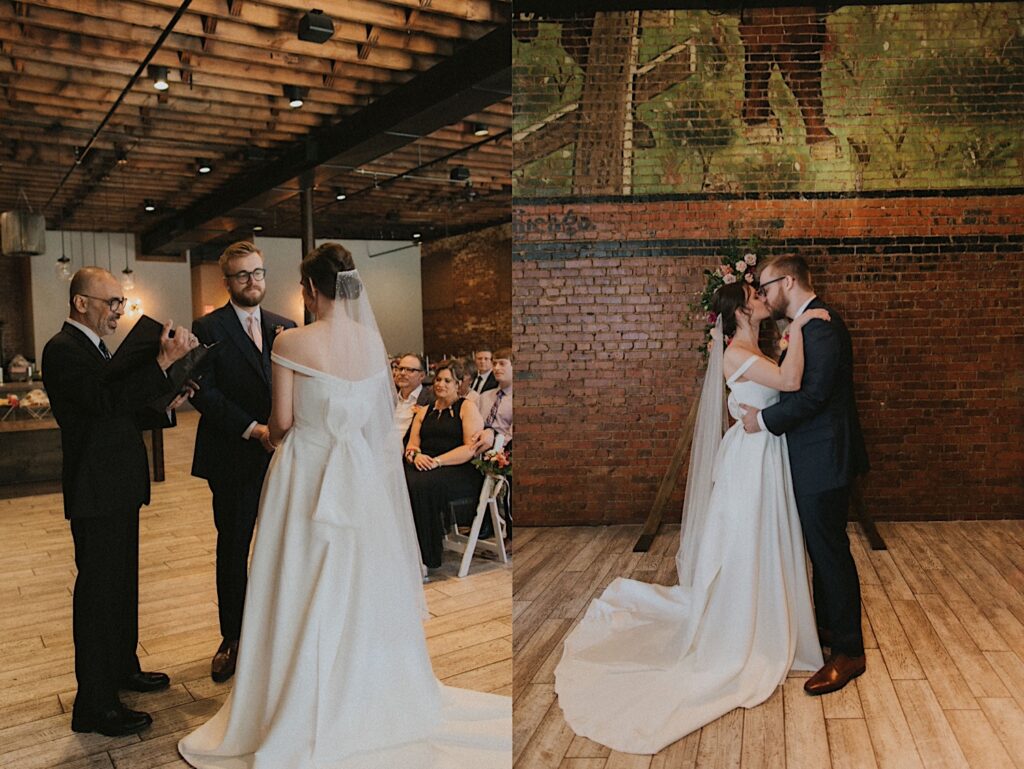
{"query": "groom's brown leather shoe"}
pixel 837 673
pixel 223 666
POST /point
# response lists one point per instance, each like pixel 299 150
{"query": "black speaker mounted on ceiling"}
pixel 315 27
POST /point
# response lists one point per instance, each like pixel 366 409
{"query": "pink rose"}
pixel 741 266
pixel 729 278
pixel 726 269
pixel 750 259
pixel 749 277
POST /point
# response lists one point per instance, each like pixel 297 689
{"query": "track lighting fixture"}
pixel 315 27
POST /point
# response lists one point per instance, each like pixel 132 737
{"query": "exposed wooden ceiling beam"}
pixel 477 75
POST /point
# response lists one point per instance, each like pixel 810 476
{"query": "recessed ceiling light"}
pixel 416 236
pixel 203 166
pixel 149 205
pixel 479 129
pixel 257 228
pixel 339 193
pixel 159 75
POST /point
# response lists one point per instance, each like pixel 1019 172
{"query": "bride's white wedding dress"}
pixel 649 664
pixel 333 670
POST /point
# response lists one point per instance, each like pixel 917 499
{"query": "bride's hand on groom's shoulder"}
pixel 808 315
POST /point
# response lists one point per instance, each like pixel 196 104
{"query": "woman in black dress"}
pixel 437 460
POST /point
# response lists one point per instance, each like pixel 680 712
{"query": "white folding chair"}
pixel 467 544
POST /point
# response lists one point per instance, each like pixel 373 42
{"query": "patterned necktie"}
pixel 254 332
pixel 104 351
pixel 494 409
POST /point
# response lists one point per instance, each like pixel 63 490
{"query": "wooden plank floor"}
pixel 469 634
pixel 944 631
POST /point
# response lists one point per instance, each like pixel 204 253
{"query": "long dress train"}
pixel 649 664
pixel 333 670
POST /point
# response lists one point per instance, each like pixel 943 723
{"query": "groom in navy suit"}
pixel 232 443
pixel 826 453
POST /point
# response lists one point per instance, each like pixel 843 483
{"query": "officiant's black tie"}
pixel 104 351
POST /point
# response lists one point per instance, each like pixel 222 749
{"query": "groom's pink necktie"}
pixel 254 332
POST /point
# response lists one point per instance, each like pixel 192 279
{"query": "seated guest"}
pixel 438 468
pixel 466 383
pixel 496 405
pixel 409 375
pixel 484 379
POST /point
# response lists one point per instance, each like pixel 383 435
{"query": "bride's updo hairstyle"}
pixel 729 300
pixel 321 266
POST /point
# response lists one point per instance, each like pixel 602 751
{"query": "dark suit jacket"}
pixel 826 446
pixel 234 392
pixel 105 467
pixel 489 384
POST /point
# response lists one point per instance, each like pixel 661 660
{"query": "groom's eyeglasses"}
pixel 245 275
pixel 762 290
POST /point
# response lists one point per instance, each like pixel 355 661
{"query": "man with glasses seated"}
pixel 409 375
pixel 105 480
pixel 232 449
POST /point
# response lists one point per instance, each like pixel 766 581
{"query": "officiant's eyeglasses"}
pixel 115 303
pixel 407 370
pixel 245 275
pixel 762 289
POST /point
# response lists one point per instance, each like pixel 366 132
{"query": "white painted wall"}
pixel 164 288
pixel 392 281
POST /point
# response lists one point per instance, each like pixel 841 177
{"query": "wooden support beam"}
pixel 478 75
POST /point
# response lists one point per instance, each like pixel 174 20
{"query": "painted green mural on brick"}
pixel 857 98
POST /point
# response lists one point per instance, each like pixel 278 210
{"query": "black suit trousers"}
pixel 236 501
pixel 835 582
pixel 106 607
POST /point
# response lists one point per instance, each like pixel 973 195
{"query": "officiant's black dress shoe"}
pixel 114 722
pixel 837 673
pixel 146 682
pixel 223 666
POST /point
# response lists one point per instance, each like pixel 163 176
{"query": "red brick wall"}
pixel 467 292
pixel 882 142
pixel 932 289
pixel 16 307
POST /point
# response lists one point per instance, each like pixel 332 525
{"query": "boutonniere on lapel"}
pixel 278 329
pixel 784 342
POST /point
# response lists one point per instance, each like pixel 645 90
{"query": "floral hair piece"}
pixel 736 262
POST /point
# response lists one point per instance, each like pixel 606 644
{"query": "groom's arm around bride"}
pixel 826 453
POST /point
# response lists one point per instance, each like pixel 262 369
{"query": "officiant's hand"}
pixel 191 388
pixel 175 347
pixel 750 423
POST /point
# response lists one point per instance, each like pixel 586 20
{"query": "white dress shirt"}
pixel 244 313
pixel 404 410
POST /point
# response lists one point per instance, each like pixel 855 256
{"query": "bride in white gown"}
pixel 333 670
pixel 649 664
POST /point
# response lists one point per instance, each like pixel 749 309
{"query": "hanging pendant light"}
pixel 127 276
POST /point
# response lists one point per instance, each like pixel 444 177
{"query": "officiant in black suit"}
pixel 826 454
pixel 105 480
pixel 232 449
